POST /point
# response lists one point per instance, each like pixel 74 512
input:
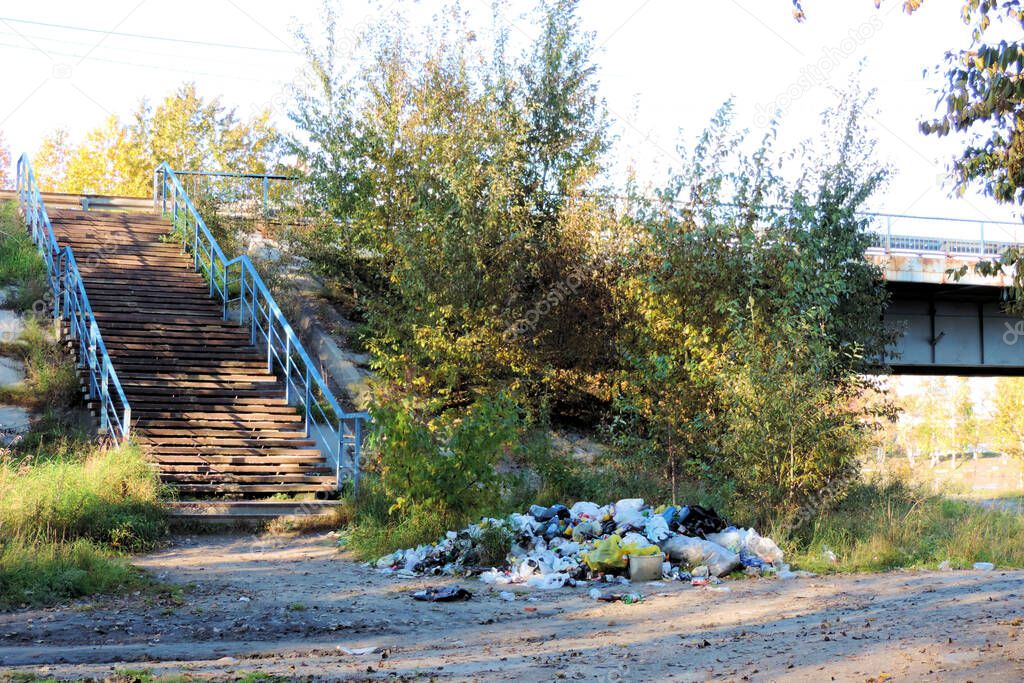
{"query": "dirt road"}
pixel 287 606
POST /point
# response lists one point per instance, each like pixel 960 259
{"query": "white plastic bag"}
pixel 627 512
pixel 656 529
pixel 764 548
pixel 697 551
pixel 547 581
pixel 585 509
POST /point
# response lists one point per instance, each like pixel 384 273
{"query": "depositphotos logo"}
pixel 1013 332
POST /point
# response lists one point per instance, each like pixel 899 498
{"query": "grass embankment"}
pixel 888 525
pixel 878 526
pixel 69 509
pixel 20 264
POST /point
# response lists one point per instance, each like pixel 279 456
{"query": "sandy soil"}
pixel 288 606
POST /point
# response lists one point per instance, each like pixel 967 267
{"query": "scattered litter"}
pixel 557 546
pixel 446 594
pixel 507 596
pixel 784 572
pixel 984 566
pixel 243 599
pixel 625 598
pixel 360 651
pixel 828 555
pixel 945 566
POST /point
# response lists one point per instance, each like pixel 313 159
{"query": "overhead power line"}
pixel 78 45
pixel 141 65
pixel 123 34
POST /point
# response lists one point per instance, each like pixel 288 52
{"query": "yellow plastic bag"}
pixel 611 554
pixel 637 549
pixel 606 555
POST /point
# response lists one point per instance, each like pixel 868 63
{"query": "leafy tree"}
pixel 926 419
pixel 184 129
pixel 442 462
pixel 966 430
pixel 909 6
pixel 1007 426
pixel 983 96
pixel 452 183
pixel 755 314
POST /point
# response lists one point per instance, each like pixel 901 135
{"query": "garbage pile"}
pixel 558 546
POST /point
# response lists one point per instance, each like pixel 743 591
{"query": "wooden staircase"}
pixel 204 407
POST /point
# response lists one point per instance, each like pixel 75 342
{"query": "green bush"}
pixel 445 462
pixel 66 518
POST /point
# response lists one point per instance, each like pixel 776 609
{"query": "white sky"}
pixel 666 65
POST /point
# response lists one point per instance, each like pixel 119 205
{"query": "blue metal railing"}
pixel 71 303
pixel 247 300
pixel 228 193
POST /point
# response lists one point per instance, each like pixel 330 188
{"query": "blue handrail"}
pixel 335 430
pixel 71 303
pixel 264 179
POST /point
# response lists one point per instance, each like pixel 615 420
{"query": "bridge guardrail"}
pixel 71 303
pixel 333 428
pixel 901 233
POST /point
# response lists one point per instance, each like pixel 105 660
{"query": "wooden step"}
pixel 212 453
pixel 238 440
pixel 278 424
pixel 254 489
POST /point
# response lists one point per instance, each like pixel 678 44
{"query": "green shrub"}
pixel 376 529
pixel 51 379
pixel 495 544
pixel 445 462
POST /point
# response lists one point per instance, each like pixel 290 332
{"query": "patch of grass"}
pixel 21 265
pixel 373 530
pixel 147 676
pixel 296 607
pixel 495 544
pixel 107 496
pixel 326 521
pixel 46 573
pixel 66 518
pixel 25 677
pixel 887 525
pixel 51 380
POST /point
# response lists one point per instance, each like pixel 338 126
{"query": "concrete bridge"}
pixel 951 326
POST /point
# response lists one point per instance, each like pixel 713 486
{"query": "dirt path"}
pixel 287 605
